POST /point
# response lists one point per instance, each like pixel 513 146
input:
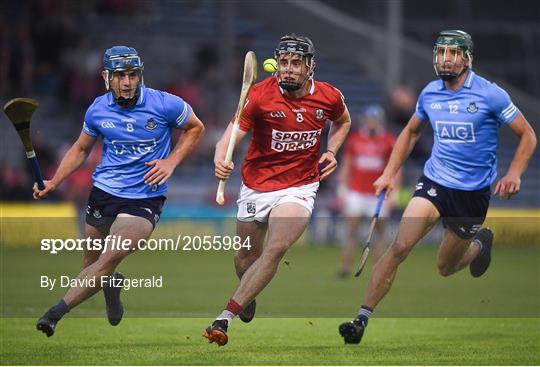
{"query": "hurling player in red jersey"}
pixel 286 114
pixel 367 151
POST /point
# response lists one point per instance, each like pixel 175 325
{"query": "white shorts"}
pixel 362 205
pixel 256 205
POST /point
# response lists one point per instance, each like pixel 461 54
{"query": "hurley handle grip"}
pixel 35 169
pixel 380 200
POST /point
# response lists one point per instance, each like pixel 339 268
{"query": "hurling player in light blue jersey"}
pixel 465 112
pixel 135 123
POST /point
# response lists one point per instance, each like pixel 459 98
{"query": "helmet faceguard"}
pixel 118 59
pixel 456 43
pixel 301 45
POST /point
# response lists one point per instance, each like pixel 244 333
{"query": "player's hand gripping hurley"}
pixel 250 76
pixel 19 111
pixel 365 251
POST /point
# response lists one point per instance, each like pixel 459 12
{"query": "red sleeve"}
pixel 338 105
pixel 250 112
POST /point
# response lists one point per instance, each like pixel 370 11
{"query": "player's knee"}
pixel 399 251
pixel 445 272
pixel 112 259
pixel 89 259
pixel 445 269
pixel 352 231
pixel 244 261
pixel 275 253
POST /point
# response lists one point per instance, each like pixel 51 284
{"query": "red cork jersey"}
pixel 368 156
pixel 284 150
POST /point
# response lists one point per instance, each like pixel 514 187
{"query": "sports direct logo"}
pixel 292 141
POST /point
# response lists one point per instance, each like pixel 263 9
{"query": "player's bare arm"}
pixel 338 132
pixel 223 170
pixel 345 171
pixel 402 149
pixel 510 184
pixel 344 175
pixel 163 168
pixel 73 159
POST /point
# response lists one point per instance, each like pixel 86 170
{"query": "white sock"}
pixel 226 315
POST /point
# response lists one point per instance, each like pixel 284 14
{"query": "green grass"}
pixel 395 341
pixel 198 284
pixel 426 319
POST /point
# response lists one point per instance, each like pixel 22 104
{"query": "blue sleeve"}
pixel 501 105
pixel 420 112
pixel 89 124
pixel 177 111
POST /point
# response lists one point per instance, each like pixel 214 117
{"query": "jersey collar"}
pixel 469 80
pixel 467 84
pixel 140 101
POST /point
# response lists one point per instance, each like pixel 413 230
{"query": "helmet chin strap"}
pixel 451 76
pixel 126 102
pixel 288 86
pixel 291 86
pixel 448 77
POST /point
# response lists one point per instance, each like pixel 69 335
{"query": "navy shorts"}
pixel 463 212
pixel 103 208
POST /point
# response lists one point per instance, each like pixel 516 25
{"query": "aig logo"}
pixel 134 147
pixel 455 132
pixel 278 114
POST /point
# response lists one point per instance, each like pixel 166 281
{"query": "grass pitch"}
pixel 425 320
pixel 293 341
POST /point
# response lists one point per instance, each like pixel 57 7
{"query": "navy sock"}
pixel 58 310
pixel 363 314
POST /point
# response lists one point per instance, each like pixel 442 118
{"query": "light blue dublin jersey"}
pixel 465 125
pixel 132 137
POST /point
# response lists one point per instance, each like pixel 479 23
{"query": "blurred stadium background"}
pixel 374 51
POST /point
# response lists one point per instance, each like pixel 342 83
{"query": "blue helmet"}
pixel 368 115
pixel 122 58
pixel 373 111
